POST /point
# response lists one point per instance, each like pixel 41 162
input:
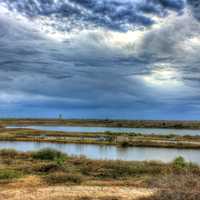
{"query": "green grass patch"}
pixel 49 154
pixel 6 174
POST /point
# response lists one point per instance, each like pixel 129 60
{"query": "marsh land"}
pixel 51 174
pixel 104 123
pixel 122 139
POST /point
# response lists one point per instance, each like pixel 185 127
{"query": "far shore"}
pixel 176 124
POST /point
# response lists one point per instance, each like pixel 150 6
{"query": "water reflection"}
pixel 147 131
pixel 109 152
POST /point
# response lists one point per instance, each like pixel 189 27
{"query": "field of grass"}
pixel 56 171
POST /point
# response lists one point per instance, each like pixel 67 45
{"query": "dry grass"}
pixel 73 193
pixel 168 188
pixel 176 187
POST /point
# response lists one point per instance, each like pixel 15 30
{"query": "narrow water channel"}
pixel 158 131
pixel 109 152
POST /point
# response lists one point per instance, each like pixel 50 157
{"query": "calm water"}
pixel 109 152
pixel 159 131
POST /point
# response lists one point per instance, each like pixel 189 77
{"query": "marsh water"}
pixel 108 152
pixel 158 131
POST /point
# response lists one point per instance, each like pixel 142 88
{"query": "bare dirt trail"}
pixel 75 192
pixel 32 189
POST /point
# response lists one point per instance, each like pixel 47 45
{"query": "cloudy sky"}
pixel 137 59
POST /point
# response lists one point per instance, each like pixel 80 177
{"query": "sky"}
pixel 120 59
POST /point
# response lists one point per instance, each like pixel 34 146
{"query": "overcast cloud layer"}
pixel 100 58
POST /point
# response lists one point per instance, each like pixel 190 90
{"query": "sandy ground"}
pixel 30 189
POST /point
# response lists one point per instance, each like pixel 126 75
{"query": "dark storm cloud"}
pixel 195 7
pixel 171 4
pixel 91 75
pixel 112 14
pixel 65 75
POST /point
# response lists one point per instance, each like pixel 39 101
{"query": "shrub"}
pixel 63 178
pixel 124 144
pixel 179 163
pixel 120 169
pixel 8 161
pixel 60 161
pixel 45 167
pixel 109 198
pixel 8 153
pixel 173 195
pixel 48 154
pixel 9 174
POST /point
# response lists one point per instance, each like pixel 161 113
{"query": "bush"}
pixel 8 153
pixel 9 174
pixel 60 161
pixel 173 195
pixel 63 178
pixel 45 167
pixel 109 198
pixel 179 163
pixel 48 154
pixel 120 169
pixel 124 144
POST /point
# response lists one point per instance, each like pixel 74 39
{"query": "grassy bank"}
pixel 106 138
pixel 104 123
pixel 53 168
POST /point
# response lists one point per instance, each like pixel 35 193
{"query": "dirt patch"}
pixel 75 193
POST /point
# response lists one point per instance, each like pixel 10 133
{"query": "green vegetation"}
pixel 79 169
pixel 179 163
pixel 48 154
pixel 6 174
pixel 125 144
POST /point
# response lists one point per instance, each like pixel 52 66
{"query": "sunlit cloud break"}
pixel 100 58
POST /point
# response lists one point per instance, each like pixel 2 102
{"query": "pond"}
pixel 104 152
pixel 146 131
